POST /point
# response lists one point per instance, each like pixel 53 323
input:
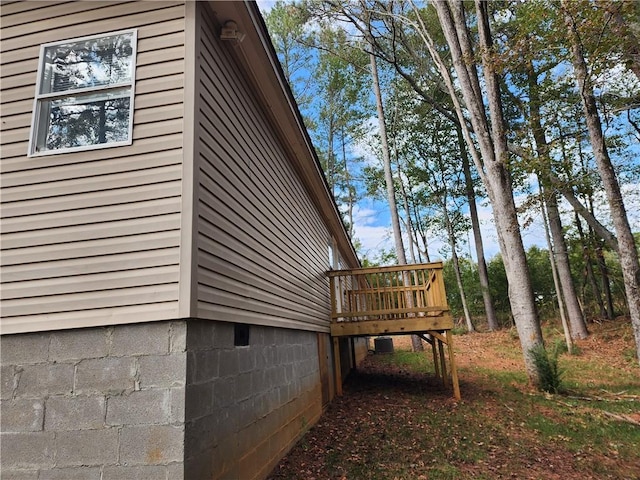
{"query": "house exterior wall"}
pixel 92 238
pixel 125 269
pixel 94 403
pixel 246 406
pixel 262 244
pixel 262 254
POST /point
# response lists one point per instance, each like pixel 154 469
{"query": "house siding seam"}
pixel 262 242
pixel 92 238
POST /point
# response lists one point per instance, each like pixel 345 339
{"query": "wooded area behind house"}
pixel 441 108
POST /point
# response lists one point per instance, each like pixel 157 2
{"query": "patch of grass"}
pixel 630 355
pixel 507 378
pixel 508 350
pixel 581 430
pixel 575 350
pixel 444 472
pixel 412 361
pixel 591 376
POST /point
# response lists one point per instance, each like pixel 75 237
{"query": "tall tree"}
pixel 483 273
pixel 286 25
pixel 388 177
pixel 626 243
pixel 558 247
pixel 490 134
pixel 556 280
pixel 327 75
pixel 395 45
pixel 450 221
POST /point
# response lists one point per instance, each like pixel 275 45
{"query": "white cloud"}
pixel 371 226
pixel 365 146
pixel 373 238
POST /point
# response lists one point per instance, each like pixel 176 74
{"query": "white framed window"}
pixel 84 94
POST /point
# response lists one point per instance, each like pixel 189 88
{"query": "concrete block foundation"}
pixel 162 400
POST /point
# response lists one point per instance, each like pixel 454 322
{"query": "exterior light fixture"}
pixel 230 33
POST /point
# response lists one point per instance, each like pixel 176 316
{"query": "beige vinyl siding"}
pixel 262 246
pixel 92 238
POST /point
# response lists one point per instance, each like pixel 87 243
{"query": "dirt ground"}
pixel 392 423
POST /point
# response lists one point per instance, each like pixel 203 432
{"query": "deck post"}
pixel 434 350
pixel 445 380
pixel 352 346
pixel 336 365
pixel 454 370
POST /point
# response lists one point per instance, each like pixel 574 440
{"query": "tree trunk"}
pixel 556 280
pixel 331 159
pixel 584 212
pixel 588 267
pixel 561 260
pixel 492 142
pixel 597 244
pixel 483 273
pixel 627 251
pixel 420 230
pixel 606 284
pixel 416 342
pixel 102 123
pixel 386 162
pixel 351 192
pixel 557 244
pixel 456 268
pixel 407 211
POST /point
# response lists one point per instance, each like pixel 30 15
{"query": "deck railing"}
pixel 388 293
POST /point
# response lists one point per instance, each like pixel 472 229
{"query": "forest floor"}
pixel 396 421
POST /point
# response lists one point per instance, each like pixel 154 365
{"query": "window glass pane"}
pixel 85 120
pixel 87 63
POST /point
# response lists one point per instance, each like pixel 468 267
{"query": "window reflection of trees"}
pixel 86 87
pixel 91 123
pixel 90 63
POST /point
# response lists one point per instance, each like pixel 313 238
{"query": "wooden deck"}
pixel 396 300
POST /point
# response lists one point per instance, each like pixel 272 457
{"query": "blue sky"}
pixel 373 230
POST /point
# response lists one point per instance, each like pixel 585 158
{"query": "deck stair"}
pixel 394 300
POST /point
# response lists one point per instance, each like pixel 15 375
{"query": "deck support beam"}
pixel 452 366
pixel 443 363
pixel 336 365
pixel 436 363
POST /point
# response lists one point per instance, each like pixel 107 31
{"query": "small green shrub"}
pixel 575 350
pixel 549 373
pixel 459 330
pixel 630 355
pixel 560 346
